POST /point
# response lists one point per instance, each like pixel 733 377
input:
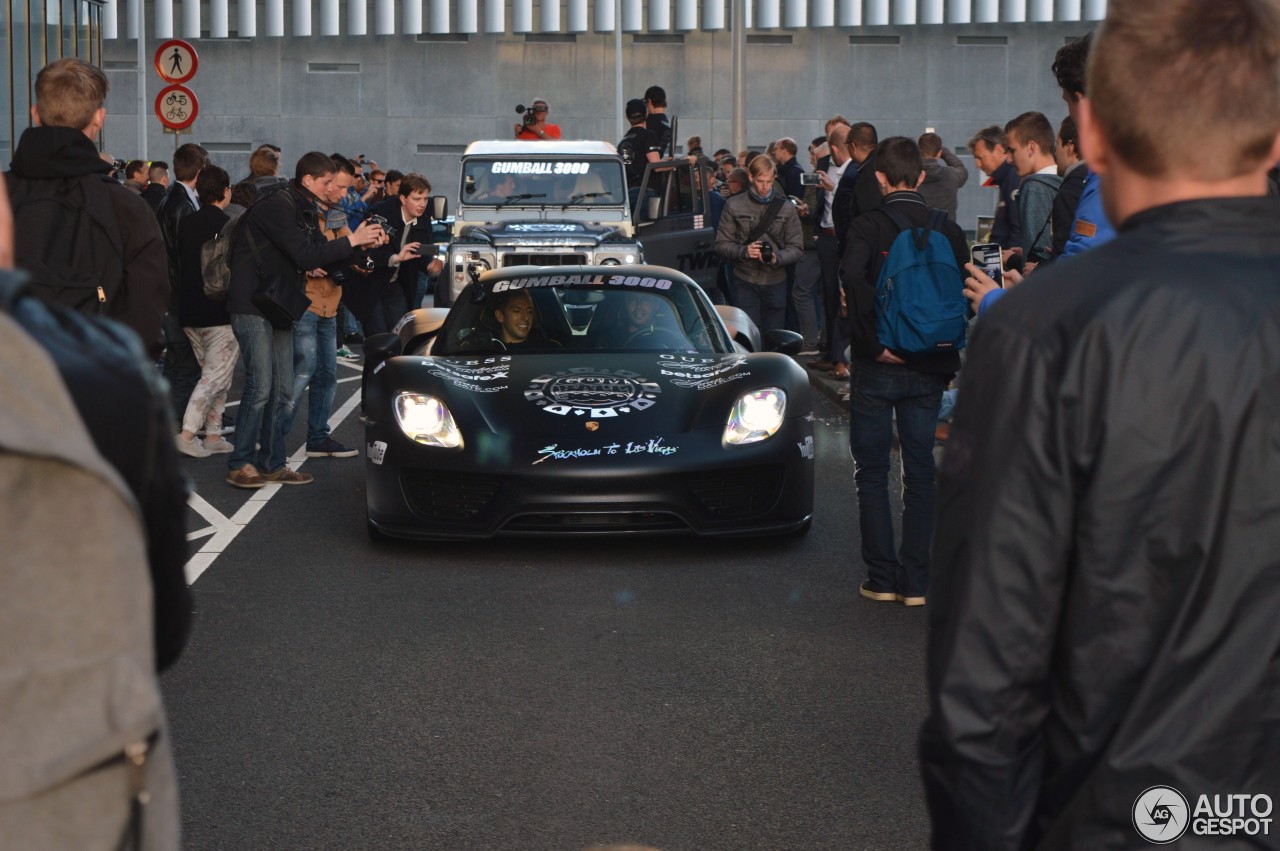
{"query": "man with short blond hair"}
pixel 55 163
pixel 1102 646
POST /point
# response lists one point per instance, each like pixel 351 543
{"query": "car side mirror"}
pixel 781 341
pixel 381 347
pixel 439 207
pixel 652 207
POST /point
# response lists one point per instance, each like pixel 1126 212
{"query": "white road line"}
pixel 225 529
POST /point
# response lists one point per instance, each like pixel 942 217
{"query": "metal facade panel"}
pixel 604 16
pixel 163 10
pixel 576 14
pixel 631 16
pixel 795 14
pixel 302 18
pixel 384 17
pixel 273 24
pixel 468 18
pixel 330 17
pixel 522 16
pixel 357 17
pixel 767 15
pixel 659 15
pixel 713 14
pixel 495 16
pixel 549 16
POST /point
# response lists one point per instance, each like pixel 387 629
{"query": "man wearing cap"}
pixel 532 131
pixel 640 145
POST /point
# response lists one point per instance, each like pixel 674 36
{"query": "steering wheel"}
pixel 658 338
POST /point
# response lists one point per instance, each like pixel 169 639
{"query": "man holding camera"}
pixel 391 287
pixel 279 237
pixel 760 234
pixel 534 127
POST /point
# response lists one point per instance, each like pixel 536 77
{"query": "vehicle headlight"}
pixel 756 416
pixel 610 261
pixel 426 420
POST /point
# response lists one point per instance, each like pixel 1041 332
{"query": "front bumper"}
pixel 517 488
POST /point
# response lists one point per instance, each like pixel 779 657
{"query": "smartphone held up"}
pixel 987 257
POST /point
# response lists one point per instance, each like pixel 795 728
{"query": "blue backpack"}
pixel 920 304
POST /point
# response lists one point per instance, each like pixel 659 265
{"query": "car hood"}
pixel 608 396
pixel 522 232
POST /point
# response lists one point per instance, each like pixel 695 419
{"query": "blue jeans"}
pixel 766 304
pixel 265 400
pixel 878 391
pixel 315 362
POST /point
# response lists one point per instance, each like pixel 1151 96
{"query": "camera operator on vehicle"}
pixel 534 126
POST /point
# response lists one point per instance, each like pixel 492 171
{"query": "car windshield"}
pixel 588 312
pixel 559 182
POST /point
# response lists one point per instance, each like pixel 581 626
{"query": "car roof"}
pixel 514 148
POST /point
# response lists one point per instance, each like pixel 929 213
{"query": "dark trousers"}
pixel 180 368
pixel 837 326
pixel 879 394
pixel 766 304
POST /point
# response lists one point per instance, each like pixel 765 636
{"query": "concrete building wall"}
pixel 413 103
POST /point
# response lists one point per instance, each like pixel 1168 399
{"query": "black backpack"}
pixel 68 240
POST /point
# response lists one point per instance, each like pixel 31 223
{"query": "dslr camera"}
pixel 529 118
pixel 766 252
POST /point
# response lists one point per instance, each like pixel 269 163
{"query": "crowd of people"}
pixel 1096 548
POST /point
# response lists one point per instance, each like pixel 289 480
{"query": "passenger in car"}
pixel 646 323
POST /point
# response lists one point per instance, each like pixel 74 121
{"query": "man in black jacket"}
pixel 408 251
pixel 181 369
pixel 281 237
pixel 1103 648
pixel 57 152
pixel 889 386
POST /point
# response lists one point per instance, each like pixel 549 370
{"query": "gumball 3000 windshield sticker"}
pixel 597 393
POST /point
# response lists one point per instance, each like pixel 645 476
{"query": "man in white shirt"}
pixel 829 247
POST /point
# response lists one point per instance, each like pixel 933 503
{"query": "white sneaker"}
pixel 190 446
pixel 218 445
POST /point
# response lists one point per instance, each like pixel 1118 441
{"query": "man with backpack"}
pixel 110 261
pixel 904 290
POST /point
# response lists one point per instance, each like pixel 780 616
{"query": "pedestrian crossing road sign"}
pixel 176 61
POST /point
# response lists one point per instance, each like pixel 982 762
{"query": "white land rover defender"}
pixel 561 203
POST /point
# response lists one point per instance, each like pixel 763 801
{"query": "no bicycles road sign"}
pixel 176 107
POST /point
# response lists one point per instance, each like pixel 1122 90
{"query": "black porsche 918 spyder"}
pixel 585 399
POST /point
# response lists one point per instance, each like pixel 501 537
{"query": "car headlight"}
pixel 426 420
pixel 610 261
pixel 756 416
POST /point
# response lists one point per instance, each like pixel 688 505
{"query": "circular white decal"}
pixel 597 393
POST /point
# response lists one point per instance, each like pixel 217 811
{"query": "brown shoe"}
pixel 941 432
pixel 840 372
pixel 246 477
pixel 285 476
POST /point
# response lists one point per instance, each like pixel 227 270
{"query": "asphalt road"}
pixel 680 694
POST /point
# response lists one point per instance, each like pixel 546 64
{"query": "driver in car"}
pixel 517 322
pixel 646 325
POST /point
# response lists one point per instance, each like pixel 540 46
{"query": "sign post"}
pixel 176 105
